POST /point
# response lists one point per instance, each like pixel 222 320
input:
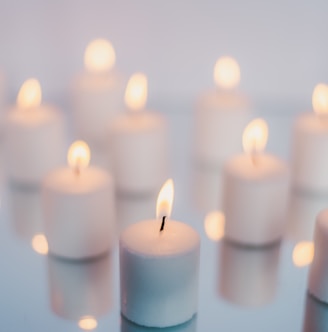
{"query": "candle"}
pixel 315 316
pixel 139 142
pixel 159 265
pixel 220 116
pixel 78 207
pixel 310 146
pixel 318 275
pixel 255 191
pixel 34 137
pixel 97 93
pixel 80 291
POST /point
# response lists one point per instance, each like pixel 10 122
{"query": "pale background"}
pixel 281 45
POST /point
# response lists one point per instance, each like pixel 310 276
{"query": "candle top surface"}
pixel 145 238
pixel 66 180
pixel 312 122
pixel 265 165
pixel 224 100
pixel 140 120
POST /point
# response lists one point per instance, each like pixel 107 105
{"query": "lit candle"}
pixel 220 116
pixel 78 207
pixel 310 146
pixel 97 93
pixel 159 267
pixel 318 275
pixel 139 142
pixel 255 191
pixel 34 136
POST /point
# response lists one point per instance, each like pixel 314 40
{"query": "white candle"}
pixel 220 116
pixel 248 277
pixel 159 266
pixel 310 146
pixel 255 191
pixel 318 275
pixel 78 207
pixel 97 93
pixel 139 142
pixel 34 137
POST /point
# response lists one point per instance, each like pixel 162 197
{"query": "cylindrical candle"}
pixel 310 145
pixel 34 137
pixel 315 316
pixel 139 143
pixel 78 208
pixel 252 183
pixel 220 116
pixel 159 264
pixel 318 276
pixel 97 93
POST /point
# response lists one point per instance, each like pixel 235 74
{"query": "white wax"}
pixel 139 151
pixel 80 289
pixel 159 273
pixel 34 143
pixel 318 275
pixel 220 119
pixel 255 198
pixel 96 98
pixel 248 276
pixel 79 212
pixel 310 153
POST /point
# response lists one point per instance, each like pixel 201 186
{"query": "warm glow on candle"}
pixel 255 136
pixel 226 73
pixel 30 94
pixel 88 323
pixel 165 200
pixel 303 254
pixel 320 99
pixel 99 56
pixel 136 92
pixel 214 225
pixel 40 244
pixel 78 155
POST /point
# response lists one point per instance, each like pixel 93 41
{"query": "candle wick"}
pixel 163 224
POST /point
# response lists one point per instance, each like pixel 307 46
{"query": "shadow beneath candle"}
pixel 206 187
pixel 248 276
pixel 127 326
pixel 80 290
pixel 315 315
pixel 131 209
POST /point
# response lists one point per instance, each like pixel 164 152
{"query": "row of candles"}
pixel 79 200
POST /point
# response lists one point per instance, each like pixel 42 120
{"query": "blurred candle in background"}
pixel 97 92
pixel 34 136
pixel 220 116
pixel 255 191
pixel 138 141
pixel 310 146
pixel 79 207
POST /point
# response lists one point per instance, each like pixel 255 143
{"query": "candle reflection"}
pixel 127 326
pixel 303 253
pixel 248 276
pixel 40 244
pixel 316 315
pixel 214 225
pixel 80 291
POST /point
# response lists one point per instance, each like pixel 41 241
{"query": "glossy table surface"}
pixel 241 289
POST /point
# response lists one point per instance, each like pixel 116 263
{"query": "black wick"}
pixel 163 223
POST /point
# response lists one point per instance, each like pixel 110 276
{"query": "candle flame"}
pixel 214 225
pixel 78 155
pixel 40 244
pixel 165 200
pixel 303 253
pixel 255 136
pixel 99 56
pixel 30 94
pixel 136 92
pixel 320 99
pixel 88 323
pixel 226 73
